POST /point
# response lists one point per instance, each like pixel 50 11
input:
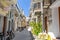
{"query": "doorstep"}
pixel 58 38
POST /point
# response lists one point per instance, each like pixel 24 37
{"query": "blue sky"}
pixel 25 5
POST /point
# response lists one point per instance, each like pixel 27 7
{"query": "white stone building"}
pixel 5 7
pixel 55 25
pixel 52 17
pixel 36 10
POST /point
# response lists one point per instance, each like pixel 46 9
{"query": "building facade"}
pixel 36 10
pixel 8 13
pixel 55 7
pixel 13 18
pixel 21 19
pixel 51 17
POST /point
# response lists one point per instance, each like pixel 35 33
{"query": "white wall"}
pixel 54 27
pixel 1 23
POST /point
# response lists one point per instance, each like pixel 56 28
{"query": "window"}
pixel 38 4
pixel 10 14
pixel 35 5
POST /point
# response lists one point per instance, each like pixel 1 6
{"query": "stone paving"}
pixel 23 35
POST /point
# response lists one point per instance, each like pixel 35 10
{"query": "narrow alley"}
pixel 29 19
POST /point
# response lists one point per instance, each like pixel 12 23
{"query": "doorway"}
pixel 46 27
pixel 4 25
pixel 59 18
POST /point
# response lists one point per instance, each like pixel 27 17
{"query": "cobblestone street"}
pixel 23 35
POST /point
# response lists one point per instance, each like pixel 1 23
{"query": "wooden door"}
pixel 59 18
pixel 4 25
pixel 46 28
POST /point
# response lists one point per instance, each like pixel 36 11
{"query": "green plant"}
pixel 37 27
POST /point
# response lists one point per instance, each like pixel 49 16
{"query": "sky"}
pixel 25 5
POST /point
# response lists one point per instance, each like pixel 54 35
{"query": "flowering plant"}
pixel 37 27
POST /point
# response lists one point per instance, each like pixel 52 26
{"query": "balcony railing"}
pixel 37 6
pixel 37 13
pixel 52 1
pixel 47 3
pixel 35 0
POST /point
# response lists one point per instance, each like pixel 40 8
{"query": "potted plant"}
pixel 36 27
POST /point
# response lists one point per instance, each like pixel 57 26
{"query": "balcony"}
pixel 35 1
pixel 52 1
pixel 37 6
pixel 6 3
pixel 5 6
pixel 55 4
pixel 37 13
pixel 3 12
pixel 47 3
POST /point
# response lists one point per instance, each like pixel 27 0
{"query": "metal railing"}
pixel 52 1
